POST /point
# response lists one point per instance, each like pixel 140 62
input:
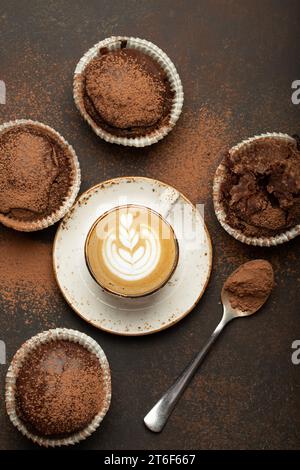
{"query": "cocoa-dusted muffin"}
pixel 260 191
pixel 39 172
pixel 126 92
pixel 59 389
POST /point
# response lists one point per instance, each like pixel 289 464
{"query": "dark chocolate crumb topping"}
pixel 261 190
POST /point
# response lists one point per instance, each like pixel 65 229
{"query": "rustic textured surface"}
pixel 237 61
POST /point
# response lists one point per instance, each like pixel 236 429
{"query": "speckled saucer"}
pixel 138 316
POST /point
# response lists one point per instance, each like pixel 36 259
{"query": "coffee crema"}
pixel 131 251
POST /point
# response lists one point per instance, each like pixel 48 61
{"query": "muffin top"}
pixel 59 388
pixel 35 173
pixel 127 92
pixel 261 189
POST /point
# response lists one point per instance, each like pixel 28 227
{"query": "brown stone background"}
pixel 237 60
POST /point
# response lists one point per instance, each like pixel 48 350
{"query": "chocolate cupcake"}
pixel 58 387
pixel 257 190
pixel 40 175
pixel 128 90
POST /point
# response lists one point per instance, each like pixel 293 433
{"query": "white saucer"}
pixel 148 314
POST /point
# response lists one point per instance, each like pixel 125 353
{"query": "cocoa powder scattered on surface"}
pixel 250 285
pixel 28 288
pixel 39 92
pixel 188 157
pixel 59 388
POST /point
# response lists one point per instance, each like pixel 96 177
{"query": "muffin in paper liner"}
pixel 16 364
pixel 39 224
pixel 115 43
pixel 219 208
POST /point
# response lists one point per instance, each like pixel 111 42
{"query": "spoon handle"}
pixel 157 417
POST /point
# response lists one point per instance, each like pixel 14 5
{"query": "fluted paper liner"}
pixel 16 364
pixel 219 208
pixel 39 224
pixel 114 43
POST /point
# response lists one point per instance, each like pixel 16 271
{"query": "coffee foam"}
pixel 130 252
pixel 133 249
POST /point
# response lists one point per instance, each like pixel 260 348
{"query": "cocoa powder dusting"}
pixel 35 173
pixel 59 388
pixel 27 281
pixel 187 157
pixel 31 95
pixel 123 89
pixel 250 285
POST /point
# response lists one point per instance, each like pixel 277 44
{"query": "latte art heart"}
pixel 131 254
pixel 131 251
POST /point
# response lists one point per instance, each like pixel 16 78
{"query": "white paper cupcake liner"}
pixel 114 43
pixel 219 208
pixel 31 226
pixel 16 364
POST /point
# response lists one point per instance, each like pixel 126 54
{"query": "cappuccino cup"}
pixel 131 251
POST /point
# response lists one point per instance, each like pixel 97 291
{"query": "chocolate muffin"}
pixel 59 389
pixel 126 92
pixel 260 192
pixel 37 171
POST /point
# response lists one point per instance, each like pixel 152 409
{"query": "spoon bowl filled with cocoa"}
pixel 247 288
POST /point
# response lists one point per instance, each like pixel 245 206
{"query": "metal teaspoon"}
pixel 158 416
